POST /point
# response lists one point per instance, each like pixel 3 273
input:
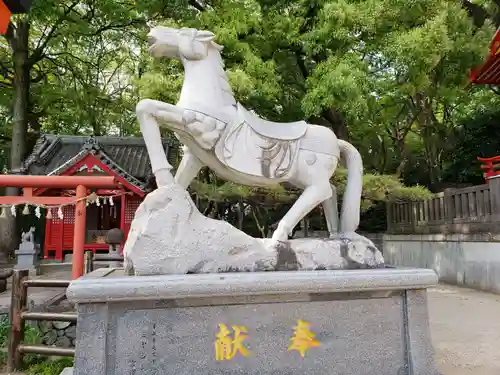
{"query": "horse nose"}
pixel 151 40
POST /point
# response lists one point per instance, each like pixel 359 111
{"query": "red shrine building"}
pixel 489 74
pixel 126 158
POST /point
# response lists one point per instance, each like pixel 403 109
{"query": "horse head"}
pixel 184 43
pixel 206 97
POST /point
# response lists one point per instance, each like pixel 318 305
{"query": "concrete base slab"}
pixel 67 371
pixel 355 322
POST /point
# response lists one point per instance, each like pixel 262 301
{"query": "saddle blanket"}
pixel 242 149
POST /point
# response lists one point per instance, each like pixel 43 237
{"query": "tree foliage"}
pixel 389 75
pixel 260 208
pixel 475 136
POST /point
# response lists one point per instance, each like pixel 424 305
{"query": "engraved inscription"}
pixel 303 338
pixel 227 346
pixel 153 344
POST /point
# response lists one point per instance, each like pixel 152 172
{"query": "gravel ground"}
pixel 465 328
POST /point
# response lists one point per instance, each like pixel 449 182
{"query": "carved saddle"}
pixel 260 148
pixel 283 131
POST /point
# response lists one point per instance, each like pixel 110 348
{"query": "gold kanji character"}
pixel 303 339
pixel 226 347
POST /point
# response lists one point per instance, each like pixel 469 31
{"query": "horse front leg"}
pixel 148 111
pixel 188 168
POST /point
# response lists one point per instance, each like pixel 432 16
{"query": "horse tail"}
pixel 351 202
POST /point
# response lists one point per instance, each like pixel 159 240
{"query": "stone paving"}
pixel 465 329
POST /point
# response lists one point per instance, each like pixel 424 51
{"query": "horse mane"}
pixel 227 91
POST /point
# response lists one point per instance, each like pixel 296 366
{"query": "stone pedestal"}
pixel 343 322
pixel 27 257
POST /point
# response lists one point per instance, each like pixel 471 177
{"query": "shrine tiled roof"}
pixel 489 72
pixel 128 156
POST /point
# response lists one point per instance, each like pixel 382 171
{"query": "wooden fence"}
pixel 469 210
pixel 19 314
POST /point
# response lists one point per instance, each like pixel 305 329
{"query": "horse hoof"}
pixel 280 236
pixel 270 244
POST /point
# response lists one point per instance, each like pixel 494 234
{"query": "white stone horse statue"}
pixel 237 144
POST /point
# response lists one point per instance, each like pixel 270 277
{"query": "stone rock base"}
pixel 170 236
pixel 349 251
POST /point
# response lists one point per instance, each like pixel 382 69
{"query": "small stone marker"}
pixel 27 254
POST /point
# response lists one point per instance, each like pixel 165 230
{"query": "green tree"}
pixel 475 136
pixel 390 74
pixel 387 74
pixel 59 69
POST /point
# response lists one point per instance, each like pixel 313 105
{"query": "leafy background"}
pixel 390 76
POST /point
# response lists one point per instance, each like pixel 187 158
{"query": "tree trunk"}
pixel 479 14
pixel 241 213
pixel 9 236
pixel 21 94
pixel 260 226
pixel 427 121
pixel 338 124
pixel 402 149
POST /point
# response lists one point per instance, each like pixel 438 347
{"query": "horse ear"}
pixel 204 36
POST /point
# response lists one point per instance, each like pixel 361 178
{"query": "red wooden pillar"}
pixel 122 212
pixel 122 219
pixel 48 235
pixel 79 239
pixel 60 240
pixel 81 183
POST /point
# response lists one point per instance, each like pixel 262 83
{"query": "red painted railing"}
pixel 490 166
pixel 81 183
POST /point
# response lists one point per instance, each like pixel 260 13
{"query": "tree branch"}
pixel 37 54
pixel 6 85
pixel 476 12
pixel 196 5
pixel 5 69
pixel 9 35
pixel 115 27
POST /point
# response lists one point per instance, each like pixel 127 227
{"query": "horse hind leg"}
pixel 311 197
pixel 330 207
pixel 312 173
